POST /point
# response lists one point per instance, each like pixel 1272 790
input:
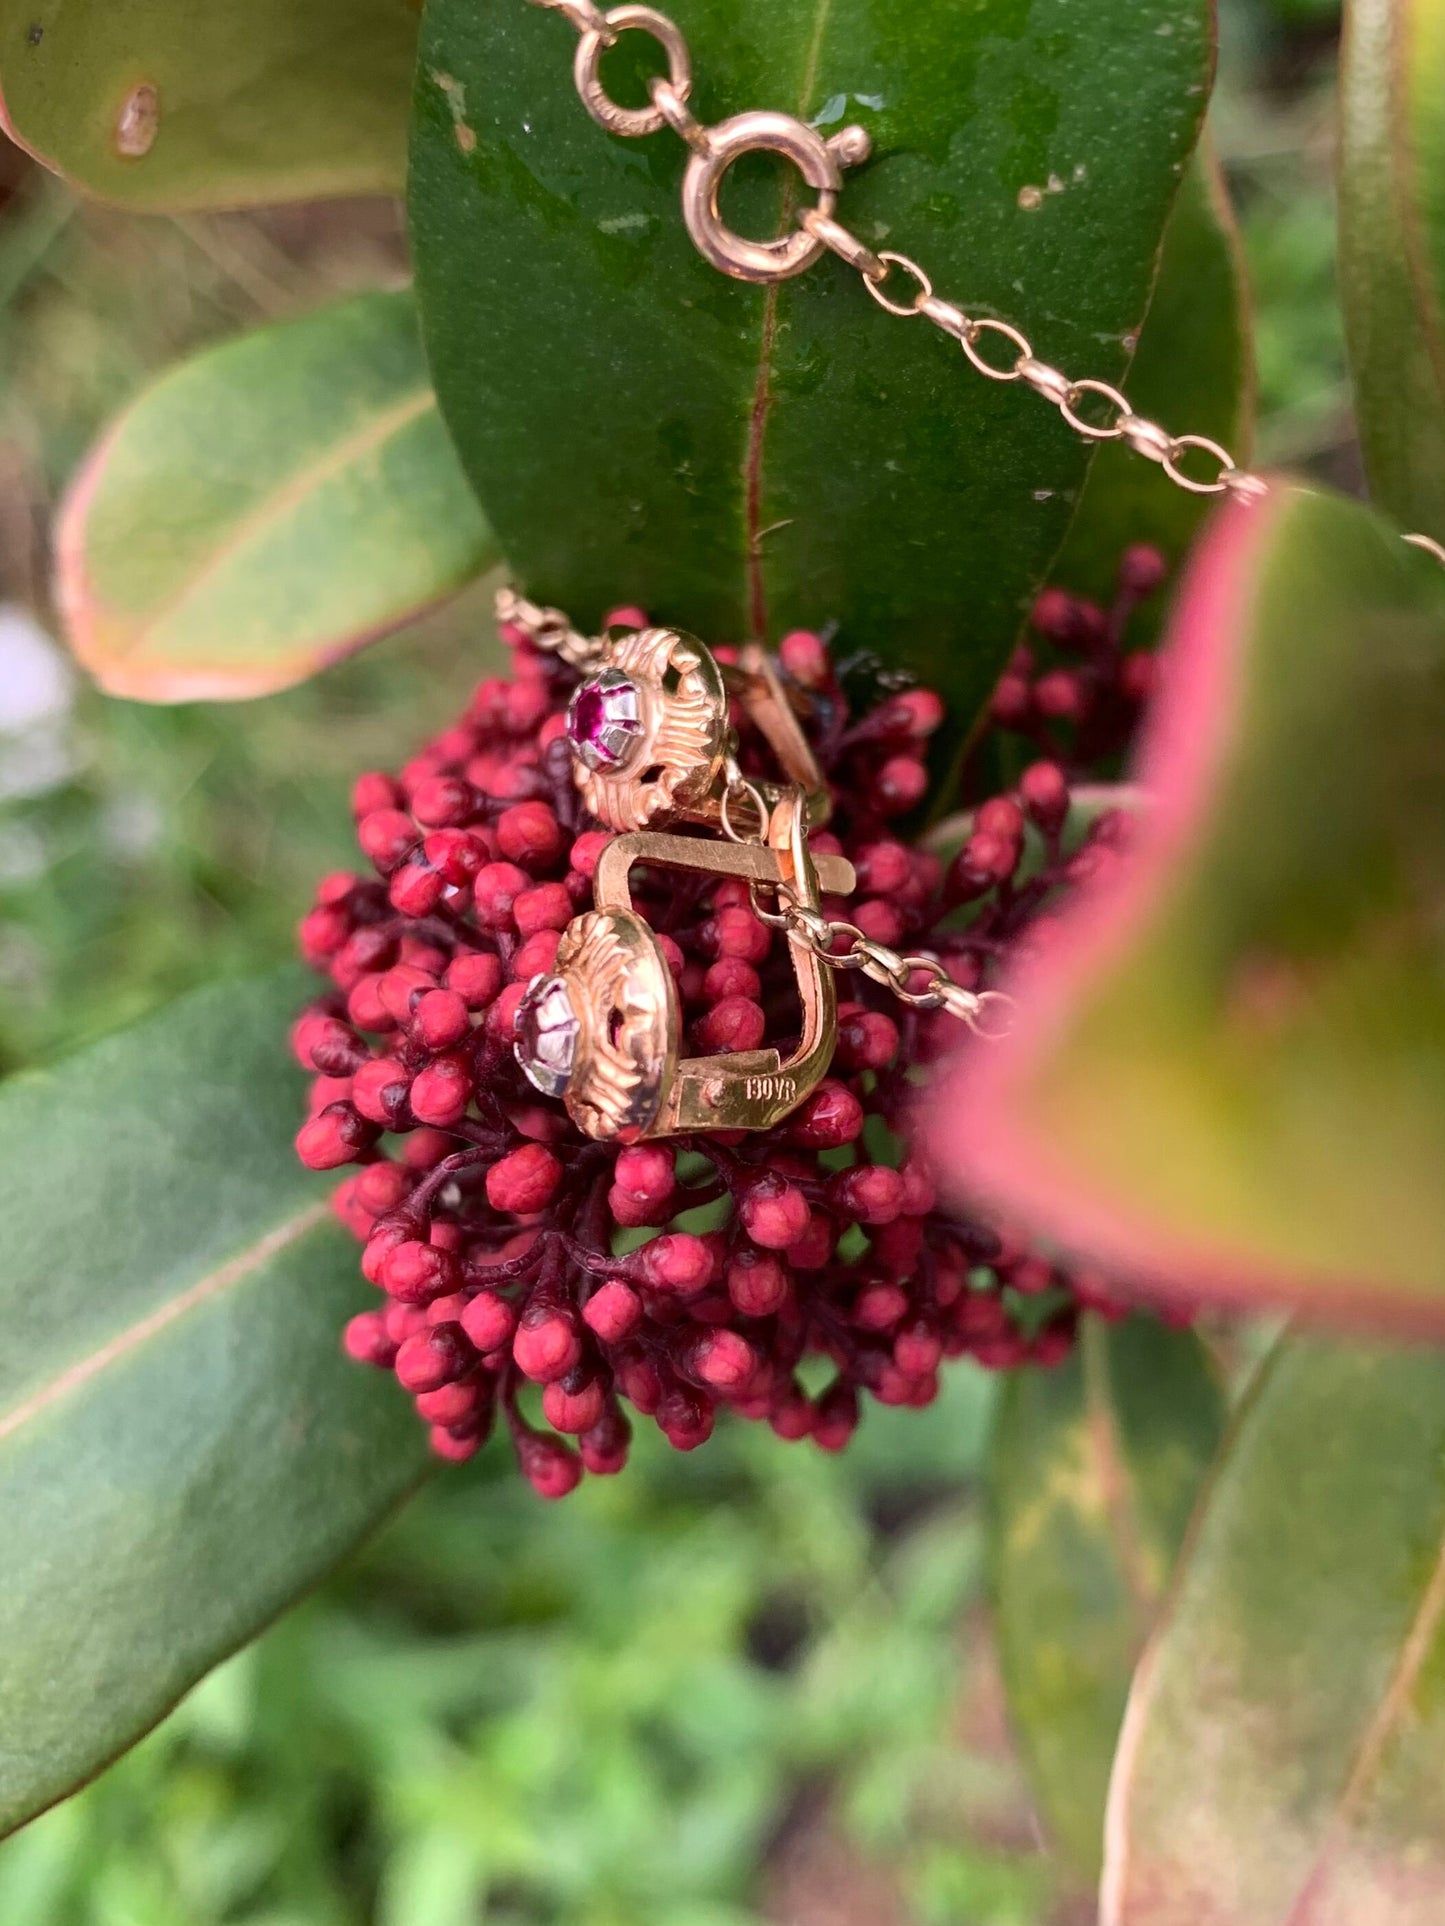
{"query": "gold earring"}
pixel 652 738
pixel 603 1031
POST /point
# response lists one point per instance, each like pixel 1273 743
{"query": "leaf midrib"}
pixel 1121 1508
pixel 215 1283
pixel 252 527
pixel 755 598
pixel 1376 1737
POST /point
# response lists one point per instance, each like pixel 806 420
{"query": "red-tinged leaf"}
pixel 1227 1079
pixel 1280 1763
pixel 266 508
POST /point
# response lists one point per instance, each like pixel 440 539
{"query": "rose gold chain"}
pixel 745 817
pixel 891 968
pixel 1095 410
pixel 549 629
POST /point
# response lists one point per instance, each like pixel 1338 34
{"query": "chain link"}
pixel 1214 470
pixel 817 231
pixel 549 629
pixel 890 968
pixel 821 935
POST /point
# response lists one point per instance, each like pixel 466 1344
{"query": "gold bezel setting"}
pixel 600 1031
pixel 649 729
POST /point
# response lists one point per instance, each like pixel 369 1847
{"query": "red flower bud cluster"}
pixel 1078 698
pixel 787 1274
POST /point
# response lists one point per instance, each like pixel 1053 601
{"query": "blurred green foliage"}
pixel 669 1701
pixel 600 1714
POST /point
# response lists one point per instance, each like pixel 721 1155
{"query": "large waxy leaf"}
pixel 183 1449
pixel 265 508
pixel 1194 372
pixel 1392 248
pixel 1228 1074
pixel 164 105
pixel 1280 1763
pixel 741 460
pixel 1094 1474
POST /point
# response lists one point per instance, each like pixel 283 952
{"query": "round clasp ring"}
pixel 586 70
pixel 752 133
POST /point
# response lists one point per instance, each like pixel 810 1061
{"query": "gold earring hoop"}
pixel 603 1030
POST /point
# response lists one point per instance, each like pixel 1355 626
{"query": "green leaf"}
pixel 1227 1078
pixel 1280 1763
pixel 266 508
pixel 742 460
pixel 1194 372
pixel 1392 249
pixel 1094 1474
pixel 183 1448
pixel 165 106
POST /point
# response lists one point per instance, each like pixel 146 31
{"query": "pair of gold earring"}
pixel 653 749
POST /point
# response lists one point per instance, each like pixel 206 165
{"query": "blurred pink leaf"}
pixel 1228 1074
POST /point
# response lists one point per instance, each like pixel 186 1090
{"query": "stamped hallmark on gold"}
pixel 603 1031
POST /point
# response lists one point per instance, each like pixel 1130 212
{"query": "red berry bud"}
pixel 546 1346
pixel 613 1311
pixel 804 656
pixel 374 792
pixel 385 836
pixel 604 1447
pixel 529 834
pixel 415 1273
pixel 735 931
pixel 441 1093
pixel 452 1405
pixel 335 1136
pixel 574 1403
pixel 365 1339
pixel 524 1180
pixel 433 1358
pixel 679 1262
pixel 837 1417
pixel 442 802
pixel 831 1116
pixel 871 1193
pixel 548 907
pixel 440 1019
pixel 488 1321
pixel 757 1283
pixel 774 1212
pixel 476 976
pixel 495 891
pixel 547 1465
pixel 735 1023
pixel 722 1360
pixel 1044 791
pixel 900 785
pixel 1143 570
pixel 731 976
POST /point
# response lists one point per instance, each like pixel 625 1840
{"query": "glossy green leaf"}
pixel 742 460
pixel 1227 1077
pixel 1281 1759
pixel 1194 372
pixel 183 1449
pixel 164 106
pixel 1094 1474
pixel 1392 249
pixel 266 508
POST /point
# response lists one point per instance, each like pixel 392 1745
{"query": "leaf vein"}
pixel 234 1271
